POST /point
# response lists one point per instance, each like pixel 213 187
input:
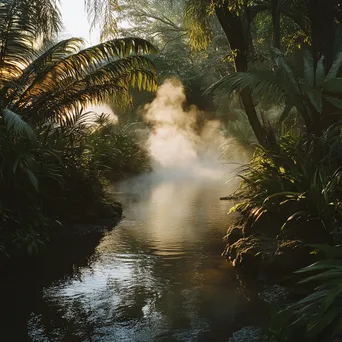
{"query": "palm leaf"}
pixel 320 73
pixel 197 21
pixel 16 38
pixel 76 67
pixel 260 83
pixel 111 79
pixel 104 12
pixel 51 54
pixel 335 67
pixel 309 75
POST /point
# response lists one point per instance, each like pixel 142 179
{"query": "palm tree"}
pixel 45 83
pixel 41 87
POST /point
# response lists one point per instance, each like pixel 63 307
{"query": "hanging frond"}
pixel 197 21
pixel 60 92
pixel 48 57
pixel 16 39
pixel 45 15
pixel 55 73
pixel 103 13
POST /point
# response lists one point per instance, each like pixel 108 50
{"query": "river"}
pixel 157 276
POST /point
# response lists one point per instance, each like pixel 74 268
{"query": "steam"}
pixel 173 141
pixel 176 143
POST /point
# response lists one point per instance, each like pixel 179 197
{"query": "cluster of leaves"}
pixel 46 169
pixel 317 316
pixel 46 180
pixel 299 185
pixel 300 181
pixel 161 22
pixel 313 94
pixel 117 150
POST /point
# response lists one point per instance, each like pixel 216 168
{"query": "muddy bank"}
pixel 266 251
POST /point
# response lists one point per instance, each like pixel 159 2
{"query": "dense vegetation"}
pixel 54 155
pixel 278 64
pixel 269 67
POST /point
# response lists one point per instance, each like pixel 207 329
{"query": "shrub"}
pixel 317 316
pixel 117 150
pixel 301 180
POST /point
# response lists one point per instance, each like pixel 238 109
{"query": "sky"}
pixel 76 25
pixel 75 21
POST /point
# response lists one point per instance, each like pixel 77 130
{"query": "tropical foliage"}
pixel 260 57
pixel 49 161
pixel 317 316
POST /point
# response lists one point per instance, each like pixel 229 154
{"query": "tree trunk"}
pixel 276 23
pixel 236 29
pixel 322 22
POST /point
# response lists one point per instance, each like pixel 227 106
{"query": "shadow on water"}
pixel 22 283
pixel 158 276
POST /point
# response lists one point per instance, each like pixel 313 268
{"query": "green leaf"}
pixel 335 66
pixel 15 124
pixel 309 73
pixel 324 322
pixel 333 85
pixel 324 275
pixel 334 101
pixel 320 73
pixel 33 179
pixel 315 97
pixel 331 296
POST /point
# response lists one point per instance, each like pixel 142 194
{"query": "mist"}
pixel 178 146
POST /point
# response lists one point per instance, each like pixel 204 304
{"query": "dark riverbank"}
pixel 24 278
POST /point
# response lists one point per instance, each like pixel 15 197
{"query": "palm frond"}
pixel 50 55
pixel 56 73
pixel 197 21
pixel 103 13
pixel 63 94
pixel 262 84
pixel 16 38
pixel 77 66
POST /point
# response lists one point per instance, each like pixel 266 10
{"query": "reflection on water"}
pixel 158 276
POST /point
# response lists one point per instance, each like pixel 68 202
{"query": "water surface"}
pixel 158 276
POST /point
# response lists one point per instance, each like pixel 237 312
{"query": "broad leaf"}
pixel 15 124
